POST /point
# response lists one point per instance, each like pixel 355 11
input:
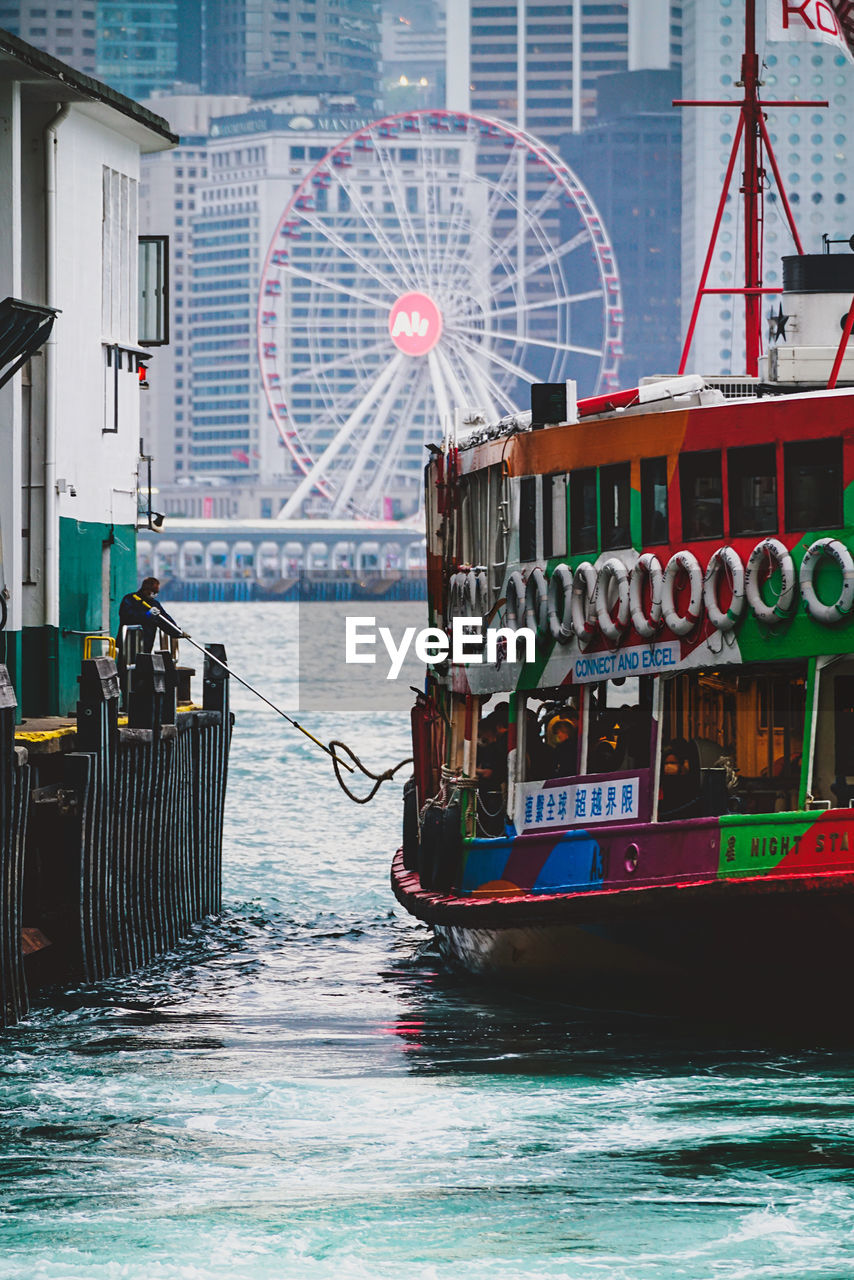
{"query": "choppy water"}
pixel 301 1092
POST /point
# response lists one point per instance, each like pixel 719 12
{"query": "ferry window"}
pixel 614 506
pixel 843 697
pixel 554 516
pixel 752 485
pixel 582 510
pixel 813 484
pixel 702 503
pixel 719 752
pixel 654 522
pixel 547 516
pixel 551 734
pixel 620 715
pixel 528 518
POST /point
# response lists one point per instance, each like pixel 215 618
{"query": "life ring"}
pixel 536 602
pixel 476 593
pixel 559 604
pixel 682 624
pixel 515 606
pixel 646 624
pixel 615 571
pixel 725 558
pixel 770 549
pixel 583 603
pixel 841 607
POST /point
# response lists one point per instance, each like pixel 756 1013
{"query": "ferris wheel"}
pixel 432 261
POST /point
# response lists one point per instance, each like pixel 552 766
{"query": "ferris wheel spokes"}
pixel 338 242
pixel 531 342
pixel 341 437
pixel 569 298
pixel 418 391
pixel 378 423
pixel 359 205
pixel 369 299
pixel 393 182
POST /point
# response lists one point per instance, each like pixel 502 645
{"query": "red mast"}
pixel 752 130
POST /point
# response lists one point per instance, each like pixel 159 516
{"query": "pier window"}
pixel 702 495
pixel 614 506
pixel 582 510
pixel 654 520
pixel 752 485
pixel 813 470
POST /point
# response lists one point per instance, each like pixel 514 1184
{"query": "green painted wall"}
pixel 51 658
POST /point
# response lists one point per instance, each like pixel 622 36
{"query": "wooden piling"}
pixel 123 850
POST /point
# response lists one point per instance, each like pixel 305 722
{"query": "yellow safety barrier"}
pixel 88 642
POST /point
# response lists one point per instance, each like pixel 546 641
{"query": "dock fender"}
pixel 724 560
pixel 536 602
pixel 647 567
pixel 612 624
pixel 410 825
pixel 515 608
pixel 842 605
pixel 559 604
pixel 583 606
pixel 682 624
pixel 447 862
pixel 432 823
pixel 770 551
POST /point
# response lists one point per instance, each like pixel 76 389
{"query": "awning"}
pixel 24 327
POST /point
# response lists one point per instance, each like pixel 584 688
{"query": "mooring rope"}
pixel 379 778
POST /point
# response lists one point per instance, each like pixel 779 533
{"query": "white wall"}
pixel 101 467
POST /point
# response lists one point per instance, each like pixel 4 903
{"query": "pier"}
pixel 212 559
pixel 110 826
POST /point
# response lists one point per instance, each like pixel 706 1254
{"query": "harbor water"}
pixel 302 1091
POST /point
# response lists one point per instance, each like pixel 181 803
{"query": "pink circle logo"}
pixel 415 324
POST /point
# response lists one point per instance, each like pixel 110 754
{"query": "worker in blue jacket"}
pixel 141 608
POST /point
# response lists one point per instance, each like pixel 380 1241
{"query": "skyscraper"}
pixel 537 65
pixel 811 146
pixel 64 28
pixel 630 161
pixel 265 48
pixel 137 50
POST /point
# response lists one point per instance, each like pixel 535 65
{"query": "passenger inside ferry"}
pixel 562 742
pixel 492 771
pixel 679 793
pixel 492 749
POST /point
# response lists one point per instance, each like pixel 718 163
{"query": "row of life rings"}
pixel 611 598
pixel 468 594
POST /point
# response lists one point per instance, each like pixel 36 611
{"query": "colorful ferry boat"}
pixel 656 801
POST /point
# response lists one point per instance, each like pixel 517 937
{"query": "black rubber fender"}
pixel 431 843
pixel 410 825
pixel 447 863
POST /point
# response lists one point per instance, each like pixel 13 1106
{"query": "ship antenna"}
pixel 752 131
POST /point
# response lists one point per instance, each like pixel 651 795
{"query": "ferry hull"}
pixel 761 944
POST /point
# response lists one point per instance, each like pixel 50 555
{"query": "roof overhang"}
pixel 24 327
pixel 49 80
